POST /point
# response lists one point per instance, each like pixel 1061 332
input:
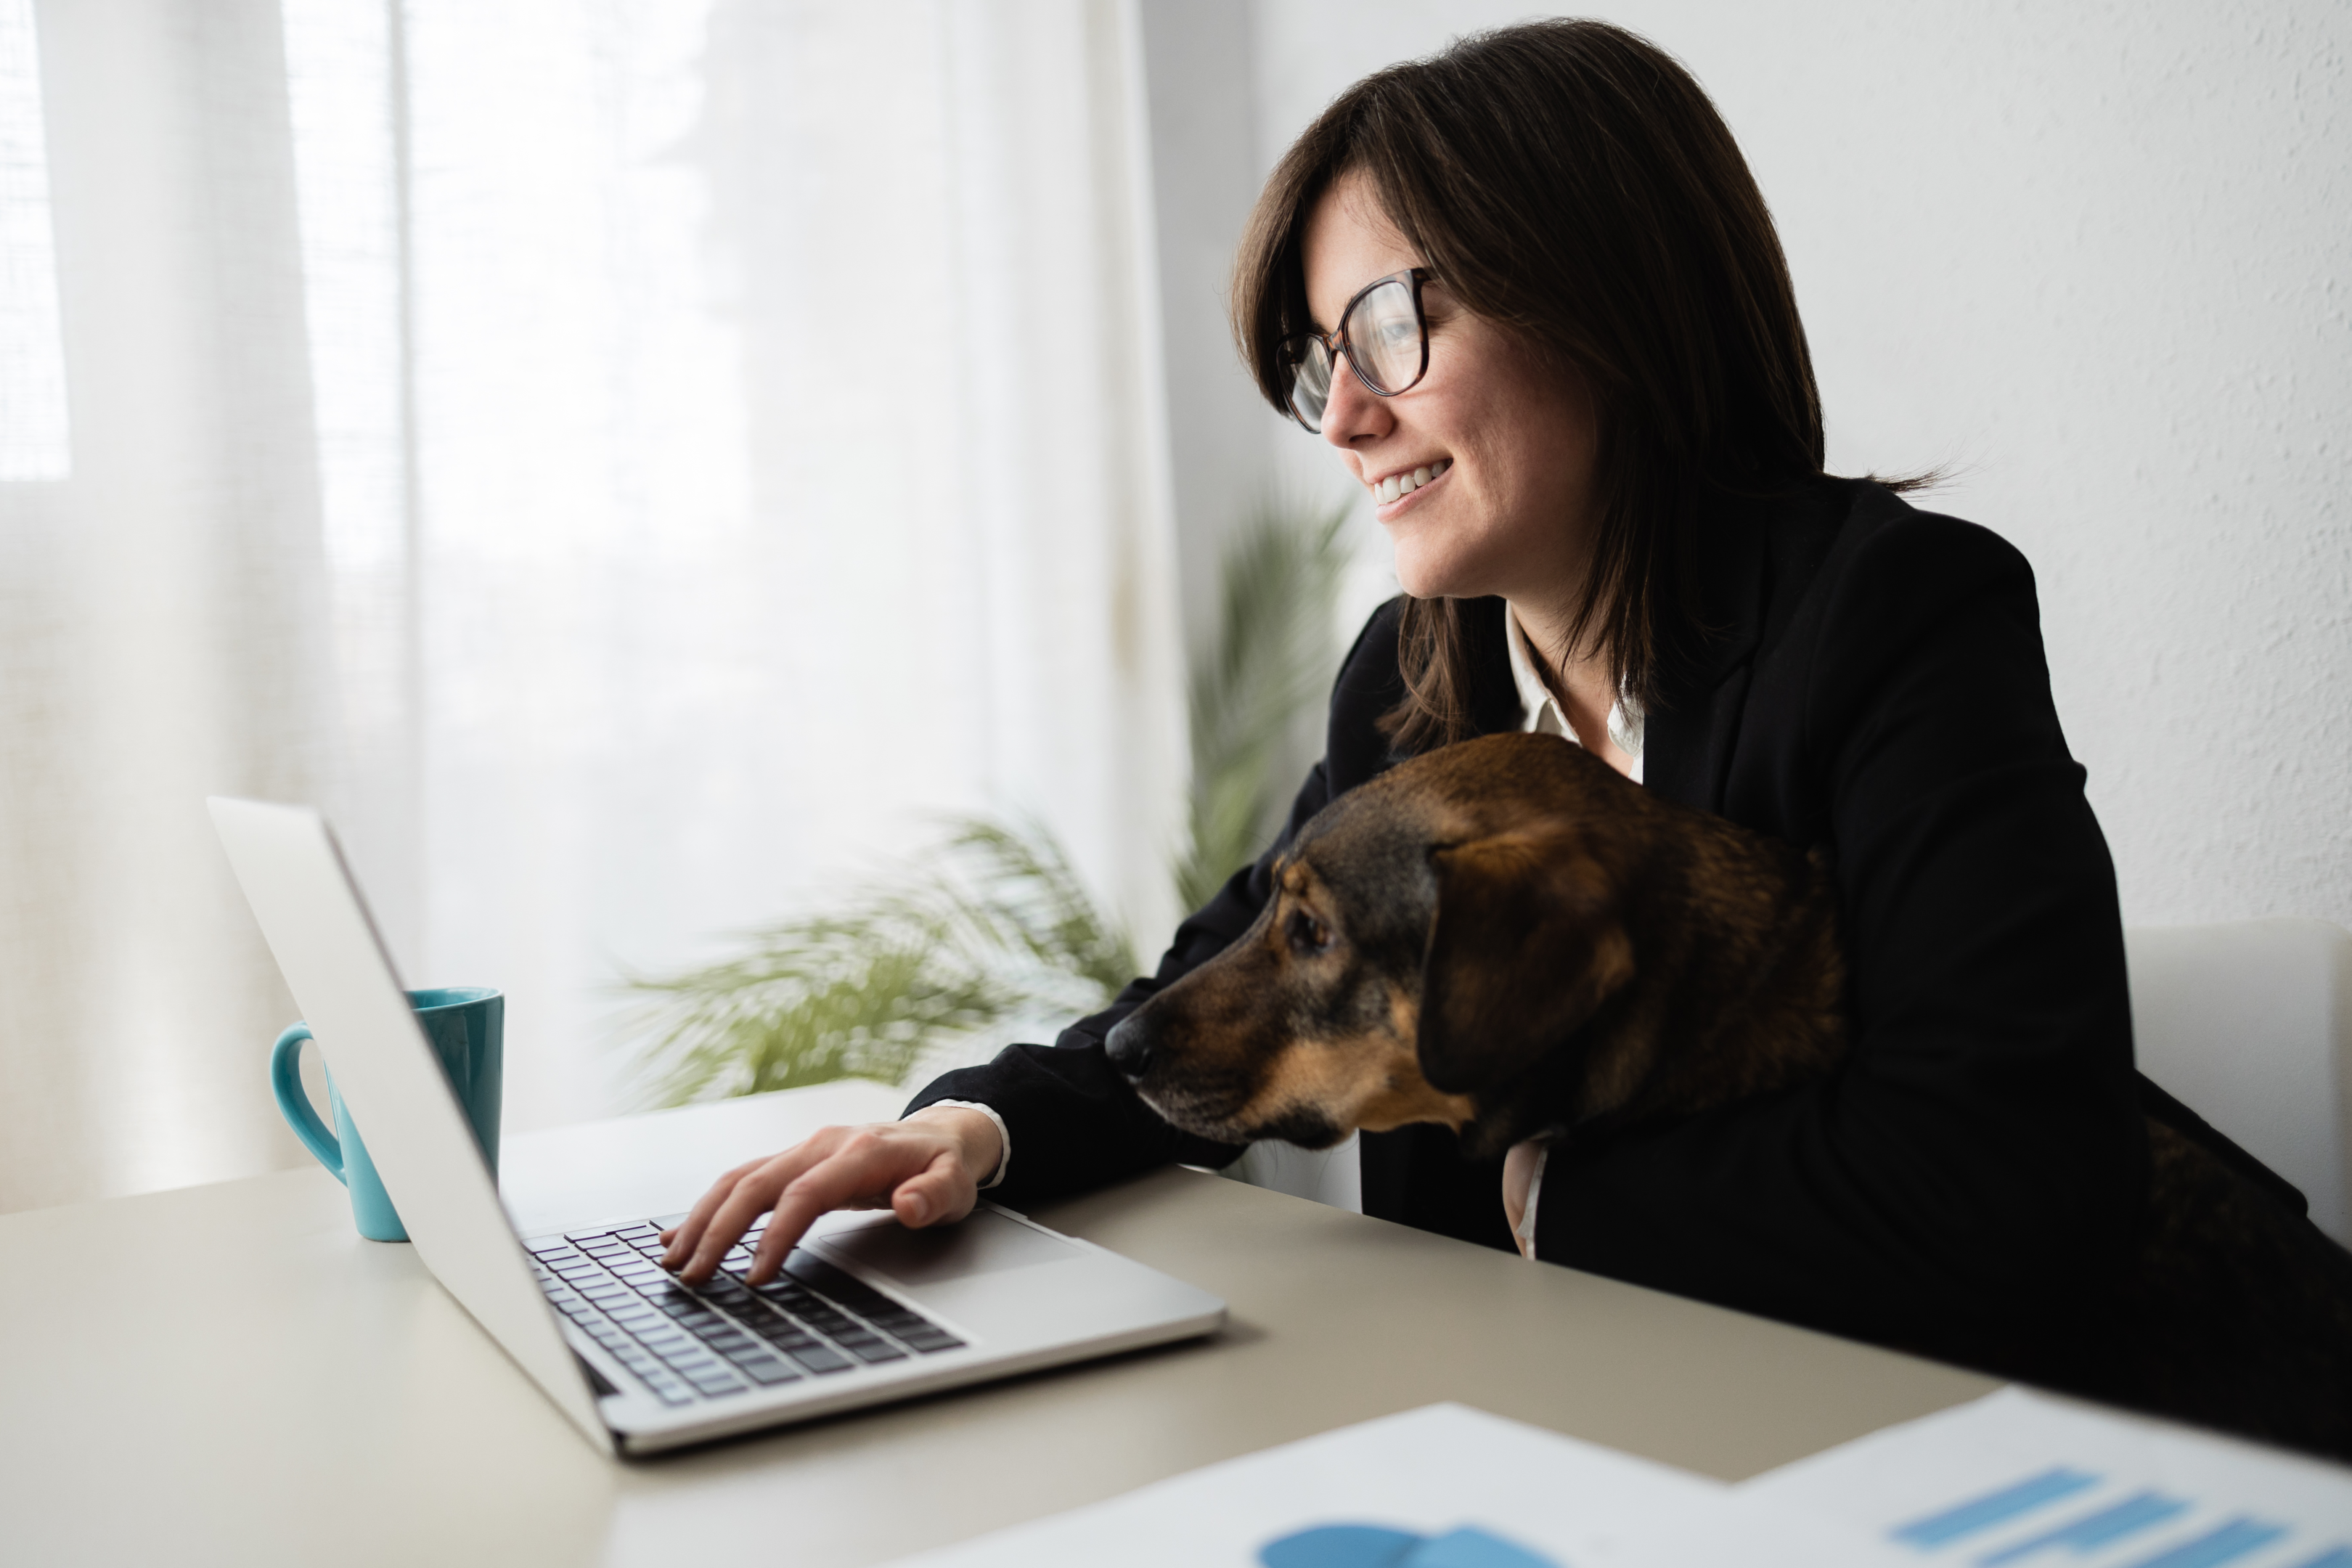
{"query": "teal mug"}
pixel 467 1025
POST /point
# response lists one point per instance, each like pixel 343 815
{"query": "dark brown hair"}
pixel 1568 181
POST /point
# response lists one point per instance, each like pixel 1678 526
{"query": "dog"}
pixel 1507 937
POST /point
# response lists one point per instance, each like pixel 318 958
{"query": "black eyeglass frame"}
pixel 1335 345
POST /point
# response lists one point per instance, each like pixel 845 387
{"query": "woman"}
pixel 1528 292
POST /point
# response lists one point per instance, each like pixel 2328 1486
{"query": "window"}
pixel 35 441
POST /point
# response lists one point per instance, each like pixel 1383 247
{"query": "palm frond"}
pixel 916 963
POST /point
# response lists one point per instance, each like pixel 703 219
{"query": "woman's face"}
pixel 1509 514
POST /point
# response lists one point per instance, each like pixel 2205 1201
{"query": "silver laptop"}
pixel 865 1312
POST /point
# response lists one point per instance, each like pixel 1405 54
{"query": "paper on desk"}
pixel 1442 1487
pixel 2018 1476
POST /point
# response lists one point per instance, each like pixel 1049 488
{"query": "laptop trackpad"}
pixel 982 1243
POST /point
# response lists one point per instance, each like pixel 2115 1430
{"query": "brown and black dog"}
pixel 1507 937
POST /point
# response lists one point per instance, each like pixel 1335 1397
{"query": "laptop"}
pixel 865 1310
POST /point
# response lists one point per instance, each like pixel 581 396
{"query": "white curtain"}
pixel 637 462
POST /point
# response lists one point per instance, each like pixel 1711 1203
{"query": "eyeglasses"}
pixel 1383 336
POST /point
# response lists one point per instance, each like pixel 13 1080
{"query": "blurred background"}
pixel 642 463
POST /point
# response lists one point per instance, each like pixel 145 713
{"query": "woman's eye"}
pixel 1306 933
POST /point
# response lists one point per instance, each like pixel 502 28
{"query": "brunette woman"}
pixel 1528 293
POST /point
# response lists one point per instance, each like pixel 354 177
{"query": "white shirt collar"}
pixel 1544 714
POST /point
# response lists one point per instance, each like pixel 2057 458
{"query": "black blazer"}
pixel 1970 1180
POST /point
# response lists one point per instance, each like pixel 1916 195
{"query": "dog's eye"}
pixel 1306 933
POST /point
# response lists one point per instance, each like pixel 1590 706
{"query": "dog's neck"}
pixel 1730 999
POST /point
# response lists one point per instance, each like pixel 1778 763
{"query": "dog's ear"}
pixel 1528 941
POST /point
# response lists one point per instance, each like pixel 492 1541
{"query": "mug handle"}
pixel 286 1082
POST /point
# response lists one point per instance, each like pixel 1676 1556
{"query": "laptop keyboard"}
pixel 724 1337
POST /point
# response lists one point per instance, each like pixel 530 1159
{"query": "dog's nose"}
pixel 1129 1046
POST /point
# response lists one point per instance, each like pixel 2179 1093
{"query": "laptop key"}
pixel 873 1348
pixel 820 1276
pixel 769 1372
pixel 820 1358
pixel 930 1342
pixel 784 1331
pixel 784 1293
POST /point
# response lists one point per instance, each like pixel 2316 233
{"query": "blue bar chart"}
pixel 2063 1525
pixel 2019 1478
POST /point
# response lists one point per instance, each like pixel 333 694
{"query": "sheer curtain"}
pixel 644 462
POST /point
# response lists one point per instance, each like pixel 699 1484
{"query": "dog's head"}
pixel 1433 937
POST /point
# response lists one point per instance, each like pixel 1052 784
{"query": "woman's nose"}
pixel 1351 413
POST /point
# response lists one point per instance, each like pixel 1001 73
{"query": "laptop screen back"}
pixel 326 945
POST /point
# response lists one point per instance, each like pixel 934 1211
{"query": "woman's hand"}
pixel 927 1170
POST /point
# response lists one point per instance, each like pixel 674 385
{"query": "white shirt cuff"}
pixel 1527 1231
pixel 1003 1135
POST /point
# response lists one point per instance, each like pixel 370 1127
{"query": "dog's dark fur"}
pixel 1507 937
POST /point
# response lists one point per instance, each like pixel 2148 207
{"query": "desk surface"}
pixel 229 1374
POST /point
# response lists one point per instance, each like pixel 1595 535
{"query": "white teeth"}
pixel 1395 485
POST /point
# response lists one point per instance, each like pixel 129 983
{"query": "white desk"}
pixel 228 1375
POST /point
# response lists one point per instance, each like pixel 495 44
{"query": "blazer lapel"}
pixel 1495 707
pixel 1687 744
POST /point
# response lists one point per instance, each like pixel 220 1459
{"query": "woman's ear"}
pixel 1527 942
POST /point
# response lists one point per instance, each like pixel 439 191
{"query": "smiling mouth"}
pixel 1396 487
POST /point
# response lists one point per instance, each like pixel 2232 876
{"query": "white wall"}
pixel 2099 258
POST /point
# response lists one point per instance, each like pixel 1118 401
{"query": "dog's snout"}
pixel 1129 1046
